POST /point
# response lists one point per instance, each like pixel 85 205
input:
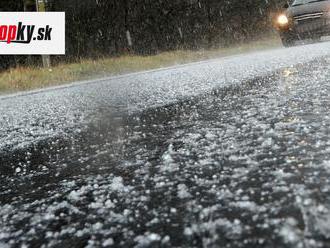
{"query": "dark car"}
pixel 304 19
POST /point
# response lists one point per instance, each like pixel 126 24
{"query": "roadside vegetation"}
pixel 137 35
pixel 27 78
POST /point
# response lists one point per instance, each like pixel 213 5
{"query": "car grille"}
pixel 306 17
pixel 310 23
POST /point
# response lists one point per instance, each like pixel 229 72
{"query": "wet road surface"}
pixel 242 165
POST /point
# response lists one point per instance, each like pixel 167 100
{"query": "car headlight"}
pixel 282 20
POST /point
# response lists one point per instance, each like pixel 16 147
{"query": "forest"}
pixel 103 28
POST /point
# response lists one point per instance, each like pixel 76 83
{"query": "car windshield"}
pixel 302 2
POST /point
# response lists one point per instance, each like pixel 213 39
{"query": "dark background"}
pixel 99 28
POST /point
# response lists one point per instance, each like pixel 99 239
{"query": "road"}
pixel 232 152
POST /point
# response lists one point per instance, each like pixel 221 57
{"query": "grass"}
pixel 27 78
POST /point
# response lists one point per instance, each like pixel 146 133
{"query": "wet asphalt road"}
pixel 234 162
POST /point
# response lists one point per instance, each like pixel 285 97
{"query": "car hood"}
pixel 309 8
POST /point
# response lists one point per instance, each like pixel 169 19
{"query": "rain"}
pixel 226 147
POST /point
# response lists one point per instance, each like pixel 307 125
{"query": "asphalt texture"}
pixel 232 152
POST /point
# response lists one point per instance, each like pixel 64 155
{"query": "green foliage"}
pixel 97 28
pixel 100 27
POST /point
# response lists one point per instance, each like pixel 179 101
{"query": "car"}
pixel 304 19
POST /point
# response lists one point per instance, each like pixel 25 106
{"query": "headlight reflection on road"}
pixel 287 72
pixel 289 79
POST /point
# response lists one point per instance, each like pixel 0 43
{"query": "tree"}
pixel 97 28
